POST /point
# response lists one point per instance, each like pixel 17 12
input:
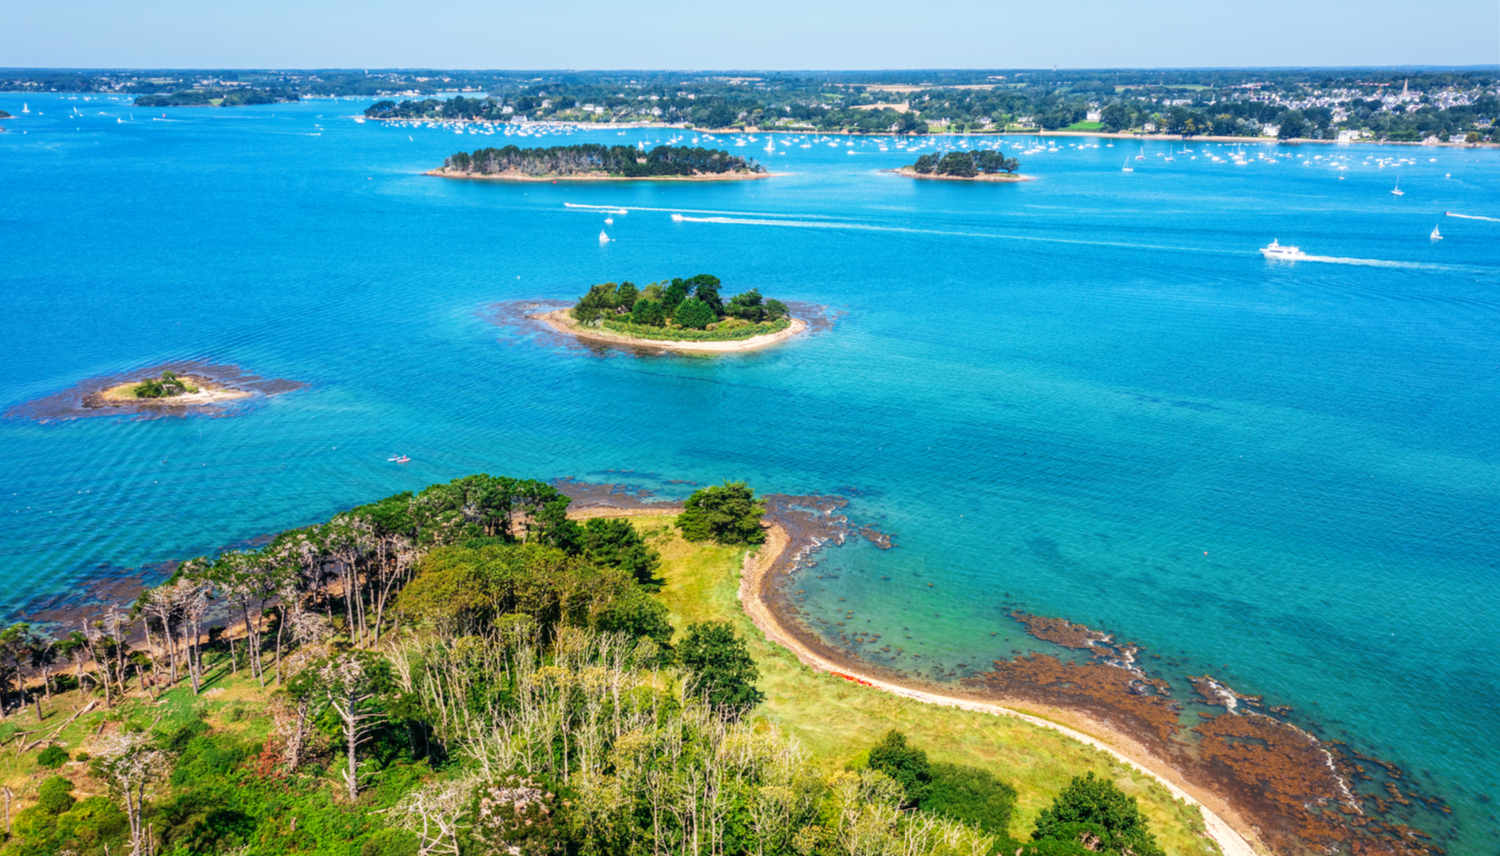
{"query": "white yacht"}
pixel 1436 235
pixel 1277 250
pixel 1398 191
pixel 603 238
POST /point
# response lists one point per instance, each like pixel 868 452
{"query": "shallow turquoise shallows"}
pixel 1088 395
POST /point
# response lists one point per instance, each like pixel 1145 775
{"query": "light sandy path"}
pixel 1231 843
pixel 559 321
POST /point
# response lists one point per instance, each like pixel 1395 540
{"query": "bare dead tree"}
pixel 346 681
pixel 132 767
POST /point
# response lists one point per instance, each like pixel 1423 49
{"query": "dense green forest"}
pixel 219 97
pixel 464 670
pixel 457 107
pixel 966 164
pixel 688 308
pixel 593 159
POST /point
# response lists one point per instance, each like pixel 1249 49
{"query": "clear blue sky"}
pixel 769 34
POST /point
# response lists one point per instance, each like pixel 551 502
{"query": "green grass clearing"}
pixel 836 720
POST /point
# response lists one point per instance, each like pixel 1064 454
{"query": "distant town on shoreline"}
pixel 1384 105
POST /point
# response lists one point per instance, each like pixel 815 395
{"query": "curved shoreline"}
pixel 753 580
pixel 443 173
pixel 558 320
pixel 990 177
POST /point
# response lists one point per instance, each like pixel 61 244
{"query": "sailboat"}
pixel 603 239
pixel 1127 168
pixel 1436 235
pixel 1398 191
pixel 24 108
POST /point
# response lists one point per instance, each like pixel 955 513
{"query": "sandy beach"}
pixel 445 173
pixel 209 393
pixel 982 177
pixel 559 321
pixel 753 580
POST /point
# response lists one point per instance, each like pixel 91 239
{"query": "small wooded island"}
pixel 978 165
pixel 594 161
pixel 679 315
pixel 168 388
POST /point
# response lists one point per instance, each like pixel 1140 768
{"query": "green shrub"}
pixel 971 795
pixel 52 758
pixel 684 334
pixel 693 313
pixel 1092 808
pixel 720 665
pixel 55 795
pixel 903 763
pixel 33 831
pixel 91 826
pixel 389 841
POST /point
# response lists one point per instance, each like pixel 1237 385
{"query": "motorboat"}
pixel 1277 250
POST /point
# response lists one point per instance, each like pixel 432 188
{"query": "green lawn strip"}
pixel 837 720
pixel 688 334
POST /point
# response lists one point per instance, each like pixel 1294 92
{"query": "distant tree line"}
pixel 593 159
pixel 455 108
pixel 966 164
pixel 226 98
pixel 680 305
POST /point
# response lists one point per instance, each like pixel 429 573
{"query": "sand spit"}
pixel 560 321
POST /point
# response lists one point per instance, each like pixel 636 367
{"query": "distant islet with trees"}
pixel 966 164
pixel 681 308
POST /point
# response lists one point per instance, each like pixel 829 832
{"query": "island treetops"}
pixel 966 164
pixel 592 159
pixel 692 303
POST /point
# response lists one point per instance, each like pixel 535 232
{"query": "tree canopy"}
pixel 966 164
pixel 1095 813
pixel 728 514
pixel 594 159
pixel 167 385
pixel 720 666
pixel 681 304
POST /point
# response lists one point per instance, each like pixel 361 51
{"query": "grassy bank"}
pixel 835 719
pixel 687 334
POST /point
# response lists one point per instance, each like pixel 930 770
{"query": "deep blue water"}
pixel 1089 391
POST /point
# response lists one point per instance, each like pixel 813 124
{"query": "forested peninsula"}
pixel 478 669
pixel 978 165
pixel 595 161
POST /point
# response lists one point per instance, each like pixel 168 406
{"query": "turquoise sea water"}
pixel 1087 396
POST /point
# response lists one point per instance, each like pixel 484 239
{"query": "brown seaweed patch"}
pixel 1060 631
pixel 1105 691
pixel 1289 781
pixel 86 398
pixel 1295 787
pixel 613 496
